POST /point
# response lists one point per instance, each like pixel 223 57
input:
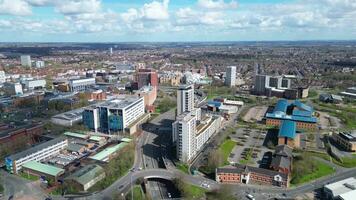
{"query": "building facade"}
pixel 230 76
pixel 185 99
pixel 147 77
pixel 12 88
pixel 114 115
pixel 184 131
pixel 2 77
pixel 34 84
pixel 346 140
pixel 25 60
pixel 37 153
pixel 81 84
pixel 251 175
pixel 296 111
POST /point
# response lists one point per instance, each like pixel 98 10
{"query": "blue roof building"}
pixel 294 111
pixel 288 129
pixel 215 103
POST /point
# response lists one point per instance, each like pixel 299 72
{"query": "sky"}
pixel 176 20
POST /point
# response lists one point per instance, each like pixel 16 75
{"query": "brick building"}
pixel 147 77
pixel 251 175
pixel 296 111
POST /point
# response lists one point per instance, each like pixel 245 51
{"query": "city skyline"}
pixel 175 21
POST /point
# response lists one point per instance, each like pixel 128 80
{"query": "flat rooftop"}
pixel 104 154
pixel 342 187
pixel 36 148
pixel 351 136
pixel 120 103
pixel 76 135
pixel 70 115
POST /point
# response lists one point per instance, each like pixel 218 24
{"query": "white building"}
pixel 12 88
pixel 110 50
pixel 39 64
pixel 2 77
pixel 184 130
pixel 344 189
pixel 81 84
pixel 185 99
pixel 190 134
pixel 114 115
pixel 26 60
pixel 37 153
pixel 207 127
pixel 230 79
pixel 34 84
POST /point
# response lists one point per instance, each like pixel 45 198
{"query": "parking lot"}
pixel 249 149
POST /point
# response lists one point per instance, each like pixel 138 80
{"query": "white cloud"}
pixel 217 5
pixel 70 7
pixel 155 11
pixel 42 2
pixel 15 7
pixel 190 17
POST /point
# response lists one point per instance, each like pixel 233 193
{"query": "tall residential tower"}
pixel 185 99
pixel 230 79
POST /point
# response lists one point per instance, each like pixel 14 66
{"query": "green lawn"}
pixel 347 162
pixel 346 114
pixel 29 176
pixel 226 149
pixel 183 167
pixel 137 193
pixel 197 192
pixel 189 191
pixel 306 169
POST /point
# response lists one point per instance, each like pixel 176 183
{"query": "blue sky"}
pixel 176 20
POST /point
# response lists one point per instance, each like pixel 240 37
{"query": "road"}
pixel 148 138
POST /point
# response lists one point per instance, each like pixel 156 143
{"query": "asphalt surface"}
pixel 19 187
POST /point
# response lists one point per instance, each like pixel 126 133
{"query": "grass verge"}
pixel 226 148
pixel 29 177
pixel 306 169
pixel 347 162
pixel 137 193
pixel 183 167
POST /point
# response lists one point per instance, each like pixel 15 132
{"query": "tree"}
pixel 215 160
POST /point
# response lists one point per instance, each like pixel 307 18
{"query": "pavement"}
pixel 20 188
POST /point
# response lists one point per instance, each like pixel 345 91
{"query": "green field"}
pixel 346 114
pixel 137 193
pixel 306 169
pixel 197 192
pixel 189 191
pixel 347 162
pixel 226 148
